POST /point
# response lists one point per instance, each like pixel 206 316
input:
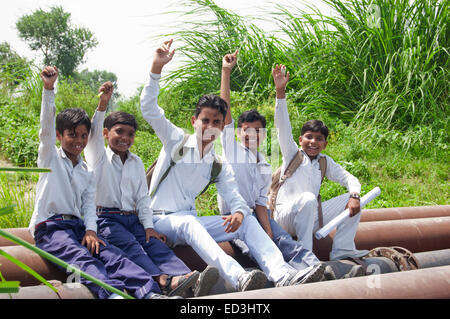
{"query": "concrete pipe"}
pixel 416 235
pixel 378 214
pixel 65 291
pixel 430 283
pixel 19 232
pixel 12 272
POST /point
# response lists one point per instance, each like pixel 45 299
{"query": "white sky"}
pixel 124 30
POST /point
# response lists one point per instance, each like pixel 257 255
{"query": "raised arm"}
pixel 95 149
pixel 228 63
pixel 282 122
pixel 152 113
pixel 47 133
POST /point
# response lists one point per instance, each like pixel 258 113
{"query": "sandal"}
pixel 185 282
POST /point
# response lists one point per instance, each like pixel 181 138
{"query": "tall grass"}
pixel 378 65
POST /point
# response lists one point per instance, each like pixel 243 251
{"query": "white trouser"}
pixel 300 218
pixel 203 233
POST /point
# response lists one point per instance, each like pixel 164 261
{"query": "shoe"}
pixel 329 273
pixel 288 277
pixel 115 296
pixel 353 254
pixel 184 283
pixel 355 271
pixel 251 280
pixel 153 295
pixel 206 281
pixel 314 275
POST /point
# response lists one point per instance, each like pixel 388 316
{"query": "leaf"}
pixel 7 210
pixel 25 169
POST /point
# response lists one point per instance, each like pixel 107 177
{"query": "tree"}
pixel 94 79
pixel 51 33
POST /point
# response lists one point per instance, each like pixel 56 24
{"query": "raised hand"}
pixel 49 75
pixel 229 60
pixel 162 56
pixel 280 79
pixel 105 92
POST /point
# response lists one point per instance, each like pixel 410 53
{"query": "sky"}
pixel 125 30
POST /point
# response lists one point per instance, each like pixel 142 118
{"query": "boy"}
pixel 253 177
pixel 297 200
pixel 124 215
pixel 173 194
pixel 64 219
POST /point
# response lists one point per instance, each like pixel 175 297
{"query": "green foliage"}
pixel 51 33
pixel 13 68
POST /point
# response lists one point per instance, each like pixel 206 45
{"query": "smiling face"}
pixel 73 141
pixel 312 143
pixel 208 125
pixel 251 134
pixel 120 138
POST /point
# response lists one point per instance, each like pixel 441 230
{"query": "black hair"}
pixel 212 101
pixel 69 119
pixel 251 116
pixel 315 126
pixel 119 117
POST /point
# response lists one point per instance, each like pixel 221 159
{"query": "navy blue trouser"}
pixel 293 252
pixel 127 233
pixel 62 238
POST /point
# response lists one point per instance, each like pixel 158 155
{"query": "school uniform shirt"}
pixel 191 173
pixel 252 173
pixel 119 185
pixel 307 177
pixel 67 189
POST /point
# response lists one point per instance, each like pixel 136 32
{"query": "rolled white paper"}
pixel 325 230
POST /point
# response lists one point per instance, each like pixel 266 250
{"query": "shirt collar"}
pixel 110 154
pixel 80 160
pixel 192 143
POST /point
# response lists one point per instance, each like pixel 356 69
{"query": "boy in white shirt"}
pixel 297 201
pixel 253 176
pixel 124 215
pixel 173 194
pixel 64 219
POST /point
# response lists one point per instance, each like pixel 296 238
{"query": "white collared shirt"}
pixel 67 189
pixel 189 176
pixel 307 178
pixel 119 185
pixel 252 173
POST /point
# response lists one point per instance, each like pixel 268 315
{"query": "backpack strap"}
pixel 215 171
pixel 179 153
pixel 278 179
pixel 323 170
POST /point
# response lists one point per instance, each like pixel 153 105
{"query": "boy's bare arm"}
pixel 162 56
pixel 228 63
pixel 105 92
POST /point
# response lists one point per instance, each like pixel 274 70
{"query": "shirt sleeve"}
pixel 47 132
pixel 263 192
pixel 145 213
pixel 88 205
pixel 95 149
pixel 337 173
pixel 283 124
pixel 229 143
pixel 166 131
pixel 227 188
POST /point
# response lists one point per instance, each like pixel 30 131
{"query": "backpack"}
pixel 215 170
pixel 278 180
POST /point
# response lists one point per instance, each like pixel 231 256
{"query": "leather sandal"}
pixel 185 282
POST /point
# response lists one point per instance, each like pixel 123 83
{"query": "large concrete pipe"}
pixel 19 232
pixel 416 235
pixel 65 291
pixel 430 283
pixel 378 214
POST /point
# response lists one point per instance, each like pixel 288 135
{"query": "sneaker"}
pixel 288 277
pixel 154 295
pixel 314 275
pixel 251 280
pixel 206 281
